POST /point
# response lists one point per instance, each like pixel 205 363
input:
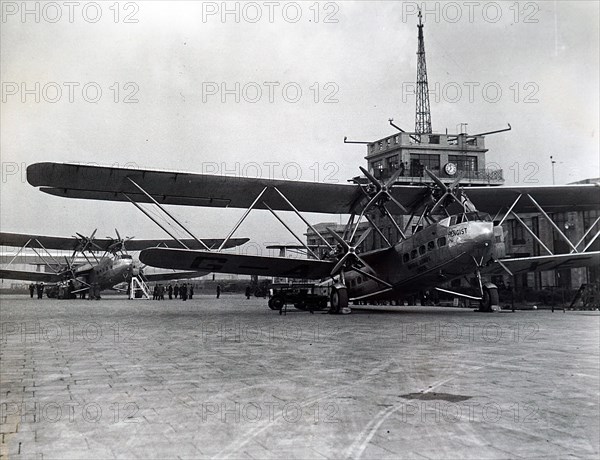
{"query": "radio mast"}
pixel 423 115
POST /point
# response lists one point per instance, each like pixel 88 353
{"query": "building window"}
pixel 517 232
pixel 535 228
pixel 434 139
pixel 392 163
pixel 466 163
pixel 420 161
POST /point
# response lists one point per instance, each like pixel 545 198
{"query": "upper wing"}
pixel 103 244
pixel 108 183
pixel 219 262
pixel 552 198
pixel 543 263
pixel 30 276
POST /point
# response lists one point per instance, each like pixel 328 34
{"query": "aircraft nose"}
pixel 134 268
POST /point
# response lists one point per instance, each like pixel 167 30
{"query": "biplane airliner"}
pixel 454 237
pixel 95 263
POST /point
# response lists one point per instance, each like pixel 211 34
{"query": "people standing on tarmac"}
pixel 248 291
pixel 40 290
pixel 31 289
pixel 183 291
pixel 218 291
pixel 170 291
pixel 176 291
pixel 161 292
pixel 191 291
pixel 155 292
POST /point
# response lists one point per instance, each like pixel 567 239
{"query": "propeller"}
pixel 85 243
pixel 349 252
pixel 449 191
pixel 379 196
pixel 71 270
pixel 382 192
pixel 118 245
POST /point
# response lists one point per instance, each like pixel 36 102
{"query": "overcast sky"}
pixel 354 63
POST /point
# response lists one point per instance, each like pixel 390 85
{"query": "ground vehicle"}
pixel 303 296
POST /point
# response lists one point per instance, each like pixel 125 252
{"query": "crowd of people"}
pixel 184 291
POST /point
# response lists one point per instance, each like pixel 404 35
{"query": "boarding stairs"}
pixel 139 287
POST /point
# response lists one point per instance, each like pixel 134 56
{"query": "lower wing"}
pixel 543 263
pixel 30 276
pixel 182 259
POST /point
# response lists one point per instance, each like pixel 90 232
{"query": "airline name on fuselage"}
pixel 457 232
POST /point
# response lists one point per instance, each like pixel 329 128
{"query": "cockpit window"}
pixel 125 256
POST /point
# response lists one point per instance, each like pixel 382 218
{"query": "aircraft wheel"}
pixel 490 298
pixel 276 303
pixel 339 300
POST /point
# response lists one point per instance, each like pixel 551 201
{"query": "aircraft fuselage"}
pixel 436 254
pixel 107 273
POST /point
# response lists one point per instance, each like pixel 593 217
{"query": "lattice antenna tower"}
pixel 423 115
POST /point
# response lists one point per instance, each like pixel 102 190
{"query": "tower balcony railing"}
pixel 417 175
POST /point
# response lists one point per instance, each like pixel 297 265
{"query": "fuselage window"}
pixel 359 280
pixel 405 257
pixel 442 241
pixel 431 246
pixel 413 254
pixel 353 283
pixel 421 250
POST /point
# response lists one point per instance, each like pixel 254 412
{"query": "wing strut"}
pixel 586 234
pixel 552 223
pixel 556 227
pixel 242 219
pixel 168 213
pixel 302 217
pixel 535 237
pixel 155 221
pixel 291 231
pixel 592 241
pixel 37 253
pixel 19 251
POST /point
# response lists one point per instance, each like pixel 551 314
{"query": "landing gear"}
pixel 490 301
pixel 339 300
